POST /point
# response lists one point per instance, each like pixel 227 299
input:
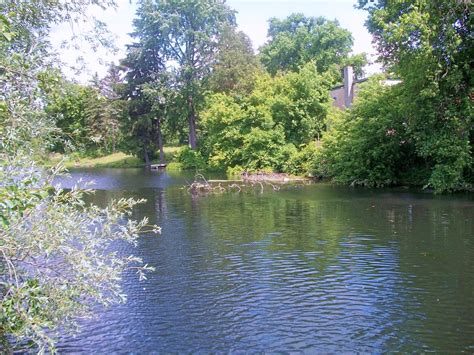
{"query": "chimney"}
pixel 348 85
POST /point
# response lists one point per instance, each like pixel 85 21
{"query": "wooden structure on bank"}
pixel 158 166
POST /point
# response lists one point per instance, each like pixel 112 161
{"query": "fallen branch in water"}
pixel 271 178
pixel 202 186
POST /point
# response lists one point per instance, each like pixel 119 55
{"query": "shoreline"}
pixel 124 161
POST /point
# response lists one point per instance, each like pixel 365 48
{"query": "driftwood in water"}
pixel 270 177
pixel 201 185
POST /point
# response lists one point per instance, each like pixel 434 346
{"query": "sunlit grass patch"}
pixel 115 160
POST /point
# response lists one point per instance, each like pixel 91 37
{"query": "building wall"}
pixel 337 95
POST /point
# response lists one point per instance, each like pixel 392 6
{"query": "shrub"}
pixel 240 134
pixel 368 144
pixel 302 162
pixel 262 149
pixel 191 159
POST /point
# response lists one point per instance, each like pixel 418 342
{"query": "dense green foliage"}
pixel 57 262
pixel 420 130
pixel 263 129
pixel 298 102
pixel 238 134
pixel 430 46
pixel 367 145
pixel 297 40
pixel 87 119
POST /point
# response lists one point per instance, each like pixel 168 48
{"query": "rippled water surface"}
pixel 313 268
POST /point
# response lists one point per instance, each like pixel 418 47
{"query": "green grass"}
pixel 115 160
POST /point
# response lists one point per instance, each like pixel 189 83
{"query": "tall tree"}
pixel 109 86
pixel 161 96
pixel 186 32
pixel 235 65
pixel 143 65
pixel 297 40
pixel 430 46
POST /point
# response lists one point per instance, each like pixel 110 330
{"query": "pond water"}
pixel 309 268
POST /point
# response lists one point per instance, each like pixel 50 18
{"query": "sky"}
pixel 252 18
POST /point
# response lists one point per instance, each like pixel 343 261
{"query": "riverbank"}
pixel 124 161
pixel 115 160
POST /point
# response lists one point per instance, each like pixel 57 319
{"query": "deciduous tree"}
pixel 236 64
pixel 297 40
pixel 186 33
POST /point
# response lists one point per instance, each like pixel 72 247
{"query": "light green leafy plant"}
pixel 57 260
pixel 56 254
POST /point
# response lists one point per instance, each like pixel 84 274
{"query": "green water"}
pixel 309 269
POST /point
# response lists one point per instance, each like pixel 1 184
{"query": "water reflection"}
pixel 319 268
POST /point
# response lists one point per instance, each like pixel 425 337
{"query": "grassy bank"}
pixel 115 160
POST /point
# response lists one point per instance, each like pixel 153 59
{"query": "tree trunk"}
pixel 192 124
pixel 147 158
pixel 160 140
pixel 113 140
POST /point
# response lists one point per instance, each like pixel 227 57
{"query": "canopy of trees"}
pixel 419 131
pixel 87 119
pixel 260 130
pixel 189 61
